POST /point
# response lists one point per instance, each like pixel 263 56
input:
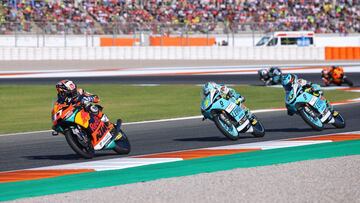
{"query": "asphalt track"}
pixel 42 149
pixel 251 79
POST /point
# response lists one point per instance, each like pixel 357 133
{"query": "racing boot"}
pixel 248 113
pixel 118 124
pixel 117 130
pixel 331 108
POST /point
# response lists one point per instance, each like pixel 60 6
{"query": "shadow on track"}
pixel 290 130
pixel 294 129
pixel 64 157
pixel 209 139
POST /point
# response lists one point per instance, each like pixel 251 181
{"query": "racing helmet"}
pixel 208 87
pixel 66 89
pixel 275 71
pixel 288 80
pixel 264 73
pixel 325 70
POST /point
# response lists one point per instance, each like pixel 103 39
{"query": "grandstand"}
pixel 171 16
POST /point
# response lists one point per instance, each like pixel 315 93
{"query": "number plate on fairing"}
pixel 237 113
pixel 230 108
pixel 320 105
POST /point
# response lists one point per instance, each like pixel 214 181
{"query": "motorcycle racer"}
pixel 226 93
pixel 67 92
pixel 289 80
pixel 325 76
pixel 335 75
pixel 271 76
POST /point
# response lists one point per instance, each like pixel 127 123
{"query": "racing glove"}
pixel 240 100
pixel 86 101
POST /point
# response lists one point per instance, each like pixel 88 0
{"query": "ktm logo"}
pixel 84 117
pixel 103 129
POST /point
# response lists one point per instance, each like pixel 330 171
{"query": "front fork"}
pixel 225 119
pixel 82 137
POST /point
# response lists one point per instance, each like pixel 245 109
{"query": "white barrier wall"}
pixel 49 40
pixel 241 40
pixel 162 53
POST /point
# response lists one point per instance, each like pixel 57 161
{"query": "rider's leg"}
pixel 247 111
pixel 326 81
pixel 98 113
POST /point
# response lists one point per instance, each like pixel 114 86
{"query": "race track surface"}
pixel 251 79
pixel 41 149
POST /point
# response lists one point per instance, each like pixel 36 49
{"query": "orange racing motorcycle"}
pixel 87 133
pixel 336 76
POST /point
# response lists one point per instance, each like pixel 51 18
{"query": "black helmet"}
pixel 66 89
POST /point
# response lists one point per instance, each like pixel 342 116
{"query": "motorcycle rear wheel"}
pixel 339 121
pixel 259 130
pixel 349 82
pixel 123 144
pixel 86 152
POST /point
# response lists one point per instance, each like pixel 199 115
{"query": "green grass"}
pixel 28 107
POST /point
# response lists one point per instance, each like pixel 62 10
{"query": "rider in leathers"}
pixel 289 80
pixel 227 93
pixel 67 92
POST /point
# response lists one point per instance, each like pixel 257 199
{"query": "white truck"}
pixel 291 38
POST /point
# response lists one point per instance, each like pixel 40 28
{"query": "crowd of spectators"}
pixel 49 16
pixel 179 16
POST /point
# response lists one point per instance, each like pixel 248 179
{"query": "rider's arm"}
pixel 237 96
pixel 311 86
pixel 88 97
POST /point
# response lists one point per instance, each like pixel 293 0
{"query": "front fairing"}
pixel 216 102
pixel 207 102
pixel 70 113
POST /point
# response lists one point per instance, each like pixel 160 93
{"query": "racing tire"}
pixel 339 121
pixel 220 125
pixel 85 152
pixel 349 82
pixel 123 144
pixel 306 118
pixel 259 130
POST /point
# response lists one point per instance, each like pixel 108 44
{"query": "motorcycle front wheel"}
pixel 228 129
pixel 313 121
pixel 85 150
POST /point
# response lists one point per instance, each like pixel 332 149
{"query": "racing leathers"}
pixel 86 99
pixel 271 76
pixel 228 93
pixel 335 73
pixel 310 87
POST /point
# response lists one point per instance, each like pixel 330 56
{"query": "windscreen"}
pixel 263 41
